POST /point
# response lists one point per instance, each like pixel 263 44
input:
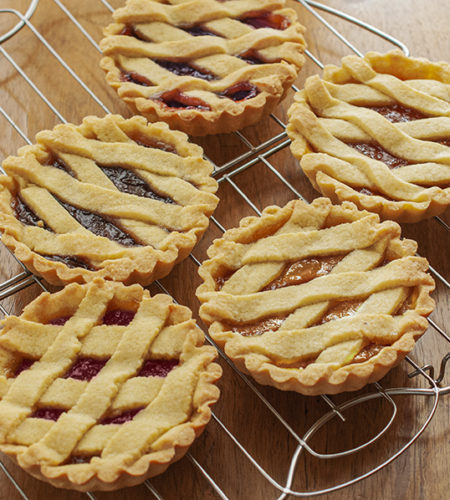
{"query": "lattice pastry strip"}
pixel 377 132
pixel 315 298
pixel 105 417
pixel 203 66
pixel 114 198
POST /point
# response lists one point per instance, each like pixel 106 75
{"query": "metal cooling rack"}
pixel 225 174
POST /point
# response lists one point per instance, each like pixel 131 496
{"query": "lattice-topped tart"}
pixel 113 198
pixel 103 386
pixel 377 132
pixel 315 298
pixel 203 66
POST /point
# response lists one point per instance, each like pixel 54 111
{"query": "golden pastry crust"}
pixel 376 132
pixel 218 53
pixel 88 167
pixel 315 298
pixel 172 408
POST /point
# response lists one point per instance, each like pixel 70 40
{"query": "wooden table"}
pixel 423 471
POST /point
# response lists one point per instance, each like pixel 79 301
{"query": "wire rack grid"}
pixel 225 174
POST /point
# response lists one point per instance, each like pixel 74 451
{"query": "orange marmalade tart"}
pixel 103 386
pixel 112 198
pixel 203 66
pixel 377 132
pixel 315 298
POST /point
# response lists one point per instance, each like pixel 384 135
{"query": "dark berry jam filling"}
pixel 265 20
pixel 376 152
pixel 129 182
pixel 118 317
pixel 397 113
pixel 199 30
pixel 240 91
pixel 61 165
pixel 176 99
pixel 184 69
pixel 71 261
pixel 24 365
pixel 157 367
pixel 99 225
pixel 25 215
pixel 48 413
pixel 85 369
pixel 122 418
pixel 59 321
pixel 133 77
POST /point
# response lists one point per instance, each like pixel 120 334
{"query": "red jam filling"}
pixel 176 99
pixel 118 317
pixel 397 113
pixel 251 56
pixel 129 182
pixel 129 30
pixel 133 77
pixel 157 367
pixel 24 365
pixel 376 152
pixel 122 418
pixel 48 413
pixel 184 69
pixel 59 321
pixel 99 225
pixel 261 19
pixel 240 91
pixel 303 271
pixel 85 369
pixel 151 142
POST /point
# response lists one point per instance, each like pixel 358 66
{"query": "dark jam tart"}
pixel 215 78
pixel 106 376
pixel 113 198
pixel 315 298
pixel 375 132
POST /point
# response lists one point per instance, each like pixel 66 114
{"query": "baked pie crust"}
pixel 103 386
pixel 203 66
pixel 377 132
pixel 315 298
pixel 112 198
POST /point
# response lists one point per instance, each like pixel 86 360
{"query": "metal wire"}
pixel 225 173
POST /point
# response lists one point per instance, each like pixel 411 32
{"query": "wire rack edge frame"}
pixel 254 155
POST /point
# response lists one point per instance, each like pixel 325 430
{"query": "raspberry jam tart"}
pixel 103 386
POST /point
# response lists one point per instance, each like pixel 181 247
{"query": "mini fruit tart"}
pixel 315 298
pixel 203 66
pixel 103 386
pixel 377 132
pixel 112 198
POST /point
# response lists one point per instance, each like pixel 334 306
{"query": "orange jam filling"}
pixel 303 271
pixel 341 309
pixel 367 352
pixel 259 327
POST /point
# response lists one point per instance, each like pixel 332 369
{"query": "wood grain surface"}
pixel 423 471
